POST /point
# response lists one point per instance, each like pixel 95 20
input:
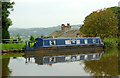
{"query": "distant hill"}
pixel 25 33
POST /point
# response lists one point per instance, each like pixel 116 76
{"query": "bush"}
pixel 110 42
pixel 118 43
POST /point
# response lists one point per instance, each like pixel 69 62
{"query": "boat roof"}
pixel 69 38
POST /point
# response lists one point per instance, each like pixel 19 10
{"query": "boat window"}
pixel 67 42
pixel 78 41
pixel 86 41
pixel 94 40
pixel 73 41
pixel 52 42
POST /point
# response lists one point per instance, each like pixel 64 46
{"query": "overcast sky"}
pixel 48 13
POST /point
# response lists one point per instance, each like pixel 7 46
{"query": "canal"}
pixel 61 63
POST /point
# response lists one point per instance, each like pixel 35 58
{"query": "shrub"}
pixel 110 42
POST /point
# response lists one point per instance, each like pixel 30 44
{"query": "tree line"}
pixel 102 23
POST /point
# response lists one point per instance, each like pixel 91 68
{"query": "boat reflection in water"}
pixel 46 57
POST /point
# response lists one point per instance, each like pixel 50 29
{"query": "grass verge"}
pixel 12 46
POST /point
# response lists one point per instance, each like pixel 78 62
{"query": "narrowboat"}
pixel 64 43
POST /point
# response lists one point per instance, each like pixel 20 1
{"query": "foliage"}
pixel 12 46
pixel 101 23
pixel 6 22
pixel 118 43
pixel 32 38
pixel 42 36
pixel 116 11
pixel 18 37
pixel 110 42
pixel 0 46
pixel 37 37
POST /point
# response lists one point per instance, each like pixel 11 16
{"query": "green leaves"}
pixel 116 11
pixel 6 22
pixel 100 23
pixel 18 37
pixel 32 38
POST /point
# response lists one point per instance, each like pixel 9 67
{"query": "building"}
pixel 65 28
pixel 66 31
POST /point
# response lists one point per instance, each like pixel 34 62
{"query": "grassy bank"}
pixel 12 46
pixel 111 42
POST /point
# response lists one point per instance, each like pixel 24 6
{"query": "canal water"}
pixel 62 63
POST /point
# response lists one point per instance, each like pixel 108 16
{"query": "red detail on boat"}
pixel 50 37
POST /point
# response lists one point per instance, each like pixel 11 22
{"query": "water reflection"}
pixel 107 65
pixel 72 62
pixel 5 69
pixel 52 58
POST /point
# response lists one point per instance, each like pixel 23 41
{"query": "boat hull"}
pixel 82 48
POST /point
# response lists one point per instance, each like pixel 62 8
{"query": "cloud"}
pixel 34 1
pixel 30 13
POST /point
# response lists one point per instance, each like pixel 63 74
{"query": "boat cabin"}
pixel 50 42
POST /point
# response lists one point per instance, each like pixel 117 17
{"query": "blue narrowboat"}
pixel 64 43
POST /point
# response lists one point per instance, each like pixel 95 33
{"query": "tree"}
pixel 6 22
pixel 18 37
pixel 32 38
pixel 101 23
pixel 0 22
pixel 116 11
pixel 42 36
